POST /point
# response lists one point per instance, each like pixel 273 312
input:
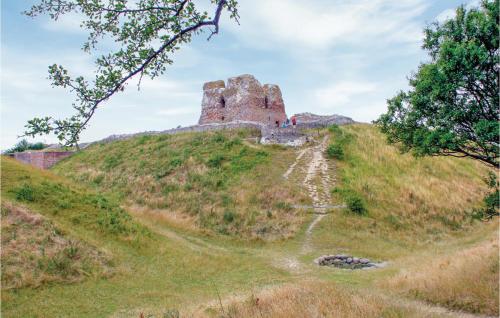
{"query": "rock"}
pixel 364 261
pixel 355 260
pixel 349 260
pixel 341 256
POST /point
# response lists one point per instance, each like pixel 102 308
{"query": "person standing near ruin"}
pixel 294 121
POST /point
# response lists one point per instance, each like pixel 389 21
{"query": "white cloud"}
pixel 450 13
pixel 296 24
pixel 342 92
pixel 445 15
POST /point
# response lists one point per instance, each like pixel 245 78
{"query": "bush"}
pixel 25 193
pixel 228 216
pixel 219 138
pixel 335 151
pixel 215 161
pixel 356 204
pixel 334 129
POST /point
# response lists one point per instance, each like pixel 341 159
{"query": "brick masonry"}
pixel 41 159
pixel 243 99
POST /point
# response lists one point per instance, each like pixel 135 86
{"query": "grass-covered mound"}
pixel 71 205
pixel 35 252
pixel 65 238
pixel 398 193
pixel 219 181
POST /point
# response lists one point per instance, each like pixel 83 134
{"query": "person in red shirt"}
pixel 294 121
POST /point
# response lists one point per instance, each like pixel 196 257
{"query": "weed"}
pixel 25 193
pixel 215 160
pixel 356 204
pixel 335 151
pixel 229 216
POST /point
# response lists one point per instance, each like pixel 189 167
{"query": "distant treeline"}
pixel 24 145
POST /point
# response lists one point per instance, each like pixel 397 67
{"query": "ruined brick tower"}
pixel 244 99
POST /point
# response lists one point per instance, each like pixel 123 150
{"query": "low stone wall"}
pixel 270 134
pixel 286 136
pixel 194 128
pixel 40 159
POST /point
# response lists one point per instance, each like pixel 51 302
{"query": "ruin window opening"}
pixel 222 118
pixel 277 124
pixel 222 103
pixel 266 105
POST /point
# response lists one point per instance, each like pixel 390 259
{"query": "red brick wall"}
pixel 40 159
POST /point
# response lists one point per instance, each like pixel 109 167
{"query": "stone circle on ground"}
pixel 344 261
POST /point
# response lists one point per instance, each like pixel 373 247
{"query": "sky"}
pixel 342 57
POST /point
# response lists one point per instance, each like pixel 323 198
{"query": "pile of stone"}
pixel 344 261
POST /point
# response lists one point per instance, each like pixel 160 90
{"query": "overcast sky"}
pixel 342 57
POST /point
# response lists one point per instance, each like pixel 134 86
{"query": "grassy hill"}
pixel 217 181
pixel 161 224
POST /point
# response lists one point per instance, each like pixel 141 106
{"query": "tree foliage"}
pixel 147 33
pixel 452 107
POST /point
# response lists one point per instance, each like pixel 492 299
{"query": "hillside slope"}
pixel 141 203
pixel 218 181
pixel 67 238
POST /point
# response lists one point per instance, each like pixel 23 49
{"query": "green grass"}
pixel 151 270
pixel 158 206
pixel 403 195
pixel 213 181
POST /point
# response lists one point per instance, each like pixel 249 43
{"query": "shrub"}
pixel 215 160
pixel 355 204
pixel 335 151
pixel 228 216
pixel 219 138
pixel 334 129
pixel 25 193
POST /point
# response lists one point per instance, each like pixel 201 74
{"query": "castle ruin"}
pixel 243 99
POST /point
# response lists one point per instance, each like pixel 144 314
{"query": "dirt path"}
pixel 318 184
pixel 315 169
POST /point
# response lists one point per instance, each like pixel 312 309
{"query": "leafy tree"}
pixel 452 107
pixel 146 32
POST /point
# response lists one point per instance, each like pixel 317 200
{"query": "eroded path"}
pixel 318 184
pixel 313 171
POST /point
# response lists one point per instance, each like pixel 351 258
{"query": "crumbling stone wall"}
pixel 244 99
pixel 41 159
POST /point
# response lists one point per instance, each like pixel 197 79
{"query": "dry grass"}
pixel 422 196
pixel 465 280
pixel 308 299
pixel 35 252
pixel 214 180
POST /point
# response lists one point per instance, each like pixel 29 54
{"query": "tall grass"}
pixel 214 179
pixel 35 252
pixel 464 280
pixel 308 299
pixel 403 193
